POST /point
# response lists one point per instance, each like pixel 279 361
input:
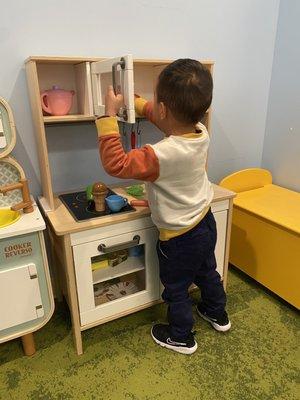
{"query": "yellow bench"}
pixel 265 239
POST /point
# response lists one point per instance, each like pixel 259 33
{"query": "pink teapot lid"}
pixel 56 87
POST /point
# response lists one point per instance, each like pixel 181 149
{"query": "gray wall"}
pixel 281 153
pixel 238 35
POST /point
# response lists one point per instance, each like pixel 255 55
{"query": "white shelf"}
pixel 132 264
pixel 68 118
pixel 51 119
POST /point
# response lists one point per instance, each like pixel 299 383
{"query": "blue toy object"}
pixel 115 202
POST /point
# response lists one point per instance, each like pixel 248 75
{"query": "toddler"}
pixel 179 195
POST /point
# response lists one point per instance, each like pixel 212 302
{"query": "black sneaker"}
pixel 221 324
pixel 161 335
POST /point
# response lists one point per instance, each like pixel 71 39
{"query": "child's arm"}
pixel 144 108
pixel 141 164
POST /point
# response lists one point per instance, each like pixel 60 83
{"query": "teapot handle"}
pixel 44 101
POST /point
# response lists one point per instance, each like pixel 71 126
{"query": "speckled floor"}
pixel 258 359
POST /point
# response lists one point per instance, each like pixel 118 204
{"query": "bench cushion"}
pixel 274 203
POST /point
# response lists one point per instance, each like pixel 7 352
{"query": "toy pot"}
pixel 115 202
pixel 57 101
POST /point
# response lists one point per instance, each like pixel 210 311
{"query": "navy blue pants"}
pixel 188 259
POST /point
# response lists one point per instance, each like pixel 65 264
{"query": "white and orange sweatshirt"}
pixel 179 192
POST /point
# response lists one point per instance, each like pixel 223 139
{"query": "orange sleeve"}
pixel 141 164
pixel 144 108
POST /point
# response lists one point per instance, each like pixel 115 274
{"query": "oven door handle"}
pixel 115 65
pixel 121 246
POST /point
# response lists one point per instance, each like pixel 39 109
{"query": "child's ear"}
pixel 162 110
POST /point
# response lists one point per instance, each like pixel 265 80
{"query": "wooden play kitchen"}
pixel 106 265
pixel 26 300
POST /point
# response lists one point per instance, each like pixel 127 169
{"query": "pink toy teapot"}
pixel 57 101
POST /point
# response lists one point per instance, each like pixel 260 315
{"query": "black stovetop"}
pixel 82 209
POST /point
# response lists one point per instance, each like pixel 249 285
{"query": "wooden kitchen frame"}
pixel 74 244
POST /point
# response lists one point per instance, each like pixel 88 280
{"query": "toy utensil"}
pixel 139 138
pixel 124 137
pixel 139 203
pixel 133 138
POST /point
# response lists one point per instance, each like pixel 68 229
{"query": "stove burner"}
pixel 91 209
pixel 81 197
pixel 83 209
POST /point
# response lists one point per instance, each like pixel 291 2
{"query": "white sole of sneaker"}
pixel 217 327
pixel 181 350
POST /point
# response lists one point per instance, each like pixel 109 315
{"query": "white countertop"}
pixel 28 223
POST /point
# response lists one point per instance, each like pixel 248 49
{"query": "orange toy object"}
pixel 139 203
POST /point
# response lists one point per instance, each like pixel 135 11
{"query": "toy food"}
pixel 136 251
pixel 135 190
pixel 99 192
pixel 113 259
pixel 121 289
pixel 139 203
pixel 88 191
pixel 99 265
pixel 105 291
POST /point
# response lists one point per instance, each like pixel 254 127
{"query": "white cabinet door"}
pixel 140 269
pixel 20 297
pixel 117 72
pixel 221 221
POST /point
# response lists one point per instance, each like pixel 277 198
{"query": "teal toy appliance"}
pixel 26 298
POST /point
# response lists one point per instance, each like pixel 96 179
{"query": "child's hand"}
pixel 112 102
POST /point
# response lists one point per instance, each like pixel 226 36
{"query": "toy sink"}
pixel 8 217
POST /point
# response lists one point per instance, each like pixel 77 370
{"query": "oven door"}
pixel 117 72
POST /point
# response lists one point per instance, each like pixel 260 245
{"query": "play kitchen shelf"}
pixel 105 267
pixel 130 265
pixel 88 78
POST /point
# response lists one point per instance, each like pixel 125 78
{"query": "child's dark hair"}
pixel 185 87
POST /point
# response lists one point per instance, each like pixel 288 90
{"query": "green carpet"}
pixel 257 359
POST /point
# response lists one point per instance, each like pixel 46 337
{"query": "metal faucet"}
pixel 26 204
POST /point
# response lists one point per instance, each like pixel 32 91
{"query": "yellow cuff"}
pixel 139 105
pixel 107 126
